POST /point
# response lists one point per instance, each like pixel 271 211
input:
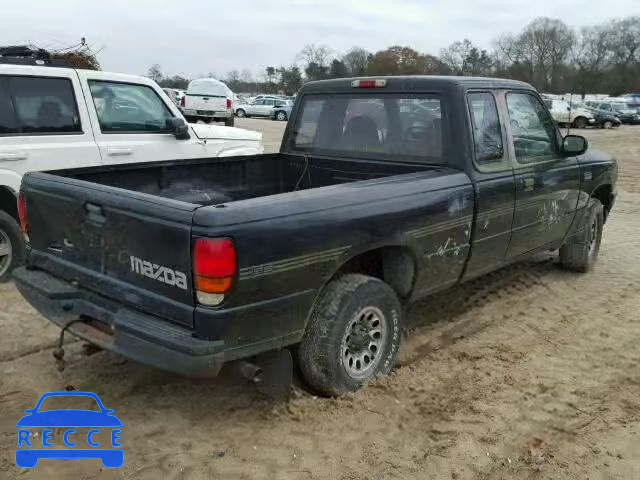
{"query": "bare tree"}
pixel 318 54
pixel 155 73
pixel 357 61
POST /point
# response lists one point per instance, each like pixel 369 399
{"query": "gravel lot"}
pixel 527 373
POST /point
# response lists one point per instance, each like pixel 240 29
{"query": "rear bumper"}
pixel 139 336
pixel 212 114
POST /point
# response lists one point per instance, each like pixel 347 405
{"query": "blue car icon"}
pixel 31 447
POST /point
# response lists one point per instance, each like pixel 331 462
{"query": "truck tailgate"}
pixel 124 245
pixel 206 105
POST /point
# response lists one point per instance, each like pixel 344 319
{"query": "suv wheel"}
pixel 282 116
pixel 11 246
pixel 241 113
pixel 353 335
pixel 580 122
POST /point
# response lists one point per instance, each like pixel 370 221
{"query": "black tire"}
pixel 11 236
pixel 241 113
pixel 230 122
pixel 580 252
pixel 190 119
pixel 207 120
pixel 332 341
pixel 281 116
pixel 580 122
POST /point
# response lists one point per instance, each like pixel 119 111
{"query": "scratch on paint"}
pixel 549 214
pixel 449 246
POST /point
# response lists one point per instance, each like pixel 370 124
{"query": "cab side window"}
pixel 38 106
pixel 533 130
pixel 487 133
pixel 129 108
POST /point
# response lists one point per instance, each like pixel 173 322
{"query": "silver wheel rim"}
pixel 240 113
pixel 6 252
pixel 281 116
pixel 362 345
pixel 608 124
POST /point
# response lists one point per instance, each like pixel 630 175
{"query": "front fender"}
pixel 11 179
pixel 236 150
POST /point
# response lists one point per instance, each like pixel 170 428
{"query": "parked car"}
pixel 257 108
pixel 55 118
pixel 633 98
pixel 564 114
pixel 282 111
pixel 173 95
pixel 208 100
pixel 605 119
pixel 621 110
pixel 189 265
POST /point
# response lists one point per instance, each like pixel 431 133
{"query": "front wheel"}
pixel 241 113
pixel 607 124
pixel 353 335
pixel 11 246
pixel 581 250
pixel 580 122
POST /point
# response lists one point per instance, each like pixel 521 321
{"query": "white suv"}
pixel 53 118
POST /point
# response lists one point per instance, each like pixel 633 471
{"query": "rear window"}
pixel 384 126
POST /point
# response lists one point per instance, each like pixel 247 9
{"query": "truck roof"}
pixel 416 82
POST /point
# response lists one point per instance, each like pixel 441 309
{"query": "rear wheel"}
pixel 282 116
pixel 581 251
pixel 353 334
pixel 206 120
pixel 11 246
pixel 241 113
pixel 580 122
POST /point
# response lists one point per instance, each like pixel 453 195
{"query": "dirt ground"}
pixel 527 373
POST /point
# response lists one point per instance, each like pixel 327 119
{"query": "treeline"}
pixel 547 53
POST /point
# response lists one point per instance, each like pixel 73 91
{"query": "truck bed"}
pixel 217 181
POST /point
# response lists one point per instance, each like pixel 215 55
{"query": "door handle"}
pixel 12 157
pixel 528 183
pixel 119 152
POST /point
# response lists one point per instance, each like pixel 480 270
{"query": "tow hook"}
pixel 270 372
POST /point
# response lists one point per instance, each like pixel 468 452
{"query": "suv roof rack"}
pixel 25 55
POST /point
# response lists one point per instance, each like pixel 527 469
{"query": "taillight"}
pixel 228 104
pixel 182 101
pixel 22 213
pixel 214 265
pixel 379 83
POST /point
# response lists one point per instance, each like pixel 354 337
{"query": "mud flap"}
pixel 277 374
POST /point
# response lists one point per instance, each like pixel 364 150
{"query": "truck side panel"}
pixel 286 257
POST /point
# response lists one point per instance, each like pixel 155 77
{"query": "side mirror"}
pixel 179 128
pixel 574 145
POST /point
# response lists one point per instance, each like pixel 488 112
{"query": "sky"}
pixel 193 37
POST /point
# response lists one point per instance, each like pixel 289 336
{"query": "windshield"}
pixel 383 126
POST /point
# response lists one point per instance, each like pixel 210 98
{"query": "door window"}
pixel 129 108
pixel 41 106
pixel 487 133
pixel 533 130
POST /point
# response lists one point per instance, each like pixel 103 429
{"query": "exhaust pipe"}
pixel 250 371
